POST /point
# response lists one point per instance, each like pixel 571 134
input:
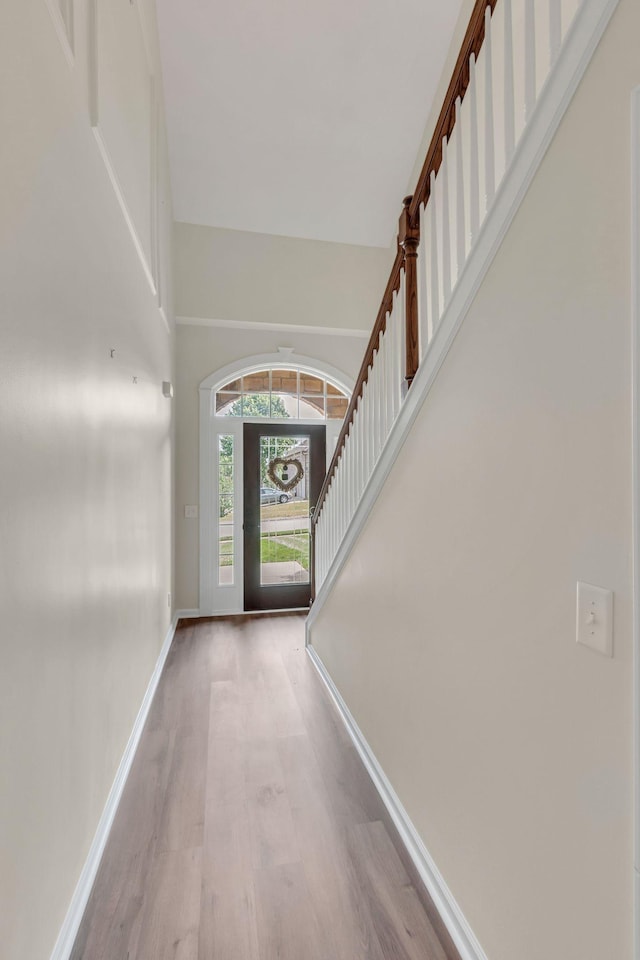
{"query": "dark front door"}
pixel 284 468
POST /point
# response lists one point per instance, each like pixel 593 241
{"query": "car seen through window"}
pixel 271 495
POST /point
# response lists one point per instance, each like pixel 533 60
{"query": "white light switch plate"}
pixel 191 513
pixel 594 618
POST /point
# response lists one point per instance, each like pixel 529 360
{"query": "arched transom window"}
pixel 278 392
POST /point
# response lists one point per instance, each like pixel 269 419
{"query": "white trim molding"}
pixel 582 39
pixel 635 419
pixel 271 327
pixel 71 924
pixel 150 262
pixel 444 901
pixel 64 23
pixel 217 599
pixel 191 614
pixel 286 359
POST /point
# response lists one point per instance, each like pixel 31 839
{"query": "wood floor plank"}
pixel 221 652
pixel 225 784
pixel 182 698
pixel 182 822
pixel 170 922
pixel 226 713
pixel 271 828
pixel 267 690
pixel 342 913
pixel 401 924
pixel 287 925
pixel 285 707
pixel 117 897
pixel 228 928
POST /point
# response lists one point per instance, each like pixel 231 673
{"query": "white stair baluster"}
pixel 509 88
pixel 360 448
pixel 343 498
pixel 426 268
pixel 382 367
pixel 334 511
pixel 338 508
pixel 461 252
pixel 370 424
pixel 489 147
pixel 435 271
pixel 378 408
pixel 398 365
pixel 355 429
pixel 350 494
pixel 375 417
pixel 474 163
pixel 402 306
pixel 328 509
pixel 366 438
pixel 423 283
pixel 443 176
pixel 345 486
pixel 388 380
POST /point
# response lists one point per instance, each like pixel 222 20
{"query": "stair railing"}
pixel 509 49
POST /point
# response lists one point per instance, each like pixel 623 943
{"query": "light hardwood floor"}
pixel 249 828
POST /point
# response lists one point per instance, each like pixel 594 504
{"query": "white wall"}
pixel 86 478
pixel 237 276
pixel 199 352
pixel 451 630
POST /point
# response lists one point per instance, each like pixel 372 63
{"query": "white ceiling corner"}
pixel 299 118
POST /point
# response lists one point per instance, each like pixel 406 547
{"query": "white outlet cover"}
pixel 191 513
pixel 594 618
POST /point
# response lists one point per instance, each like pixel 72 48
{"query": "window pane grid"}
pixel 278 393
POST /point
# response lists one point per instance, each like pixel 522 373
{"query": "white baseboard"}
pixel 71 925
pixel 451 914
pixel 187 614
pixel 636 914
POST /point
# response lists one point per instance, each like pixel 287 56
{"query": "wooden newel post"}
pixel 409 239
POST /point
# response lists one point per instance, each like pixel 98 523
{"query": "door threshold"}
pixel 249 614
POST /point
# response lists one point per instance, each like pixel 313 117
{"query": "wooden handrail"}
pixel 409 237
pixel 473 40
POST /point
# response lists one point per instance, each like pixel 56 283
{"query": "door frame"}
pixel 221 600
pixel 301 593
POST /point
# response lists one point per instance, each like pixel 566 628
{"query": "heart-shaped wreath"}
pixel 279 481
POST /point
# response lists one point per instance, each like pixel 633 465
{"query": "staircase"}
pixel 519 64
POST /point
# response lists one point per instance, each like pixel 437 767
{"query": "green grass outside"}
pixel 284 548
pixel 276 511
pixel 225 548
pixel 277 548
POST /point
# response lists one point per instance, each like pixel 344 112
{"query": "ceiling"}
pixel 299 118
